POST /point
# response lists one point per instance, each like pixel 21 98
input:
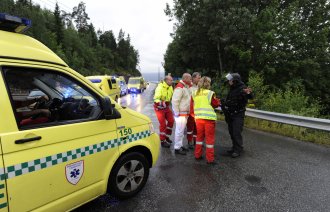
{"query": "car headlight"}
pixel 151 128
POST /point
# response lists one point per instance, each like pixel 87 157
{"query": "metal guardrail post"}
pixel 308 122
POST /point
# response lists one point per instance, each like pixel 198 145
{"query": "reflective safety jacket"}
pixel 202 105
pixel 163 93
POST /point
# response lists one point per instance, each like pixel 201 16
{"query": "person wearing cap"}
pixel 234 109
pixel 191 124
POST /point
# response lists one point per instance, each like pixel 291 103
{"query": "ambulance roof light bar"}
pixel 13 23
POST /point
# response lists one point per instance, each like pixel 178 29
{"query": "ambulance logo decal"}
pixel 74 172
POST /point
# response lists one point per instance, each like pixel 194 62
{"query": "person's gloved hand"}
pixel 160 107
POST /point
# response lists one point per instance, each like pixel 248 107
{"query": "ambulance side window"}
pixel 42 98
pixel 110 84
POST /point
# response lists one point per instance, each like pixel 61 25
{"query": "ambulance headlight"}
pixel 151 128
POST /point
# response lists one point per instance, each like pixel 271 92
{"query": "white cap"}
pixel 229 77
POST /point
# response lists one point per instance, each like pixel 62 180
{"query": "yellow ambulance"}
pixel 136 85
pixel 64 142
pixel 108 84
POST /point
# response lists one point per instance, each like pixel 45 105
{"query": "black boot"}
pixel 169 140
pixel 180 151
pixel 191 145
pixel 235 154
pixel 165 144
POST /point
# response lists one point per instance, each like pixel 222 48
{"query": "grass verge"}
pixel 300 133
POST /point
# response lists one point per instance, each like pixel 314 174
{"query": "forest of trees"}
pixel 280 47
pixel 72 36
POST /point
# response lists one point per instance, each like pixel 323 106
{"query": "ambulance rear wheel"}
pixel 129 175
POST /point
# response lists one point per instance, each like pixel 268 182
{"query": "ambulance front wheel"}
pixel 129 175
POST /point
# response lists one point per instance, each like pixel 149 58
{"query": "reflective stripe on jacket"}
pixel 163 92
pixel 202 105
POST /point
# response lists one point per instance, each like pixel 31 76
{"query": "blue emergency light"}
pixel 13 23
pixel 95 80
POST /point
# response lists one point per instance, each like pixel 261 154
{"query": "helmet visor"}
pixel 229 77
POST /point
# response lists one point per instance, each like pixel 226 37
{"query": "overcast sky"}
pixel 144 20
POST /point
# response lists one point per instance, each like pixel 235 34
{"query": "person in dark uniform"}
pixel 234 110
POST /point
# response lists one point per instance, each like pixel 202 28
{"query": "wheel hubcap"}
pixel 130 176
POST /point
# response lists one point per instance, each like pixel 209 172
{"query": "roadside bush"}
pixel 256 82
pixel 290 100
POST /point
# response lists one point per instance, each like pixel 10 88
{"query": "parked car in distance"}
pixel 136 85
pixel 123 86
pixel 108 84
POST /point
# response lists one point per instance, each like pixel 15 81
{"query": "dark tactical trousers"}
pixel 235 126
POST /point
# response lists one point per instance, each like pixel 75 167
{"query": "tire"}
pixel 130 168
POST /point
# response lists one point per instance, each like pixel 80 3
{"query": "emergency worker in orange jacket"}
pixel 205 117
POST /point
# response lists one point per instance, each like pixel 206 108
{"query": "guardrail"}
pixel 313 123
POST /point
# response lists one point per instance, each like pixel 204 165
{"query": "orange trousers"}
pixel 166 121
pixel 205 131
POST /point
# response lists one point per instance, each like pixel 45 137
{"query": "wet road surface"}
pixel 274 174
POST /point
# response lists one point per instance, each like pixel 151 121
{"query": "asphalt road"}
pixel 274 174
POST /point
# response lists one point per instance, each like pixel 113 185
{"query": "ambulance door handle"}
pixel 25 140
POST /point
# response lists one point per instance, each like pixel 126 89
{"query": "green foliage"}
pixel 291 99
pixel 80 46
pixel 256 82
pixel 282 40
pixel 58 25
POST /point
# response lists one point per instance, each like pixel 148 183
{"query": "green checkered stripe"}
pixel 134 137
pixel 52 160
pixel 3 200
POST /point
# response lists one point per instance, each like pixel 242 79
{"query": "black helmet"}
pixel 233 76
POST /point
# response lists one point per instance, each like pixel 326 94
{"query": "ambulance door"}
pixel 3 192
pixel 57 156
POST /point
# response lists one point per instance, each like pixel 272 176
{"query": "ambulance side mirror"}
pixel 109 110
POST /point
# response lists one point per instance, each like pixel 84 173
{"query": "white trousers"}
pixel 180 125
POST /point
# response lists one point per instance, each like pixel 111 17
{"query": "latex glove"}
pixel 160 107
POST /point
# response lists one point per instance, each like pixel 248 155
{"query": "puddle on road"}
pixel 257 190
pixel 166 167
pixel 252 179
